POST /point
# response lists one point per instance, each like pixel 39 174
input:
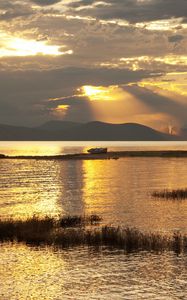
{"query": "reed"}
pixel 36 230
pixel 178 194
pixel 48 231
pixel 33 229
pixel 79 221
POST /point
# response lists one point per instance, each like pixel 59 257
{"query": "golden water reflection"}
pixel 118 190
pixel 29 187
pixel 45 274
pixel 26 274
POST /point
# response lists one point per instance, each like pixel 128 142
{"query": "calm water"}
pixel 119 191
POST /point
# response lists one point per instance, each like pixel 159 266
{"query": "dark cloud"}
pixel 70 100
pixel 134 10
pixel 45 2
pixel 175 38
pixel 82 3
pixel 29 91
pixel 95 44
pixel 23 81
pixel 11 10
pixel 79 108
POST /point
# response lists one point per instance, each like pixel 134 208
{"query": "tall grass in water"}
pixel 48 231
pixel 41 230
pixel 178 194
pixel 30 231
pixel 79 221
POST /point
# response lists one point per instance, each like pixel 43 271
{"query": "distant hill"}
pixel 116 132
pixel 58 125
pixel 183 134
pixel 17 133
pixel 93 131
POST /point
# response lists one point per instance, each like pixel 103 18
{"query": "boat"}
pixel 97 150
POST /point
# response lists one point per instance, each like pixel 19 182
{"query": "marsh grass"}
pixel 178 194
pixel 79 221
pixel 32 230
pixel 38 230
pixel 48 231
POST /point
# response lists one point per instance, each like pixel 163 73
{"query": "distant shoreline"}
pixel 108 155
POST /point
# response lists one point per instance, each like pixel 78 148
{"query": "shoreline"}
pixel 108 155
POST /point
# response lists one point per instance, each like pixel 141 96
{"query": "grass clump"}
pixel 79 221
pixel 67 232
pixel 41 230
pixel 127 239
pixel 32 230
pixel 178 194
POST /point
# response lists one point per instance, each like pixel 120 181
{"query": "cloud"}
pixel 9 10
pixel 135 10
pixel 93 42
pixel 46 2
pixel 23 81
pixel 30 90
pixel 177 38
pixel 79 109
pixel 25 97
pixel 105 52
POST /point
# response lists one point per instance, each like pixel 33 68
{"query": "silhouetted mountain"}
pixel 183 134
pixel 17 133
pixel 93 131
pixel 58 125
pixel 116 132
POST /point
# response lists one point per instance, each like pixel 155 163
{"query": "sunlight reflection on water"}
pixel 118 190
pixel 36 273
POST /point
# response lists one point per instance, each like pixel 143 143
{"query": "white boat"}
pixel 97 150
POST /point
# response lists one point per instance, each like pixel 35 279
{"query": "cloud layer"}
pixel 101 43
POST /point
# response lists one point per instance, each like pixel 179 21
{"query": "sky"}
pixel 115 61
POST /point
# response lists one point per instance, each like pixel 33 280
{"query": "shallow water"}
pixel 119 191
pixel 45 274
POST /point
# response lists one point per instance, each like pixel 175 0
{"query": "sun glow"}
pixel 62 108
pixel 171 82
pixel 12 46
pixel 98 92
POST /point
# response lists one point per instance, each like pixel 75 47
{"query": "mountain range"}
pixel 92 131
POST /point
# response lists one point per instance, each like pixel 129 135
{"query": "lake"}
pixel 117 190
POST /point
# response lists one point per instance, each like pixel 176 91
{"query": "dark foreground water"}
pixel 119 191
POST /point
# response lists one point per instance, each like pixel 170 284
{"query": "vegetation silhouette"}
pixel 178 194
pixel 82 231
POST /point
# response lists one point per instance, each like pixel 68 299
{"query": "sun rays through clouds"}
pixel 116 60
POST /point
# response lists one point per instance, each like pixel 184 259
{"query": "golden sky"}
pixel 84 60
